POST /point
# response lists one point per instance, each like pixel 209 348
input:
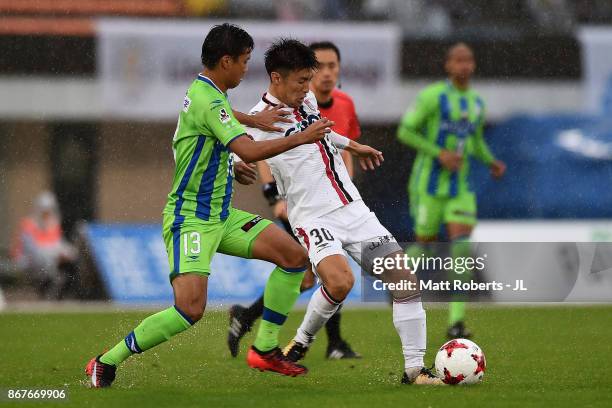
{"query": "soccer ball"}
pixel 460 361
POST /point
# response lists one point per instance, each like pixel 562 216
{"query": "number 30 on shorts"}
pixel 321 234
pixel 191 243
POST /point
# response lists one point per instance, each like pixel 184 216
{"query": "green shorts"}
pixel 192 245
pixel 429 212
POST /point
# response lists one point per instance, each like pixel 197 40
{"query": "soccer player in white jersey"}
pixel 327 212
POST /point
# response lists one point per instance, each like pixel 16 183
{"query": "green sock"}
pixel 460 248
pixel 149 333
pixel 282 290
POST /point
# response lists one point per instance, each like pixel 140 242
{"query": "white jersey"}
pixel 312 177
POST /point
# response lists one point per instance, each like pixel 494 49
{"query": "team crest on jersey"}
pixel 304 120
pixel 186 104
pixel 224 117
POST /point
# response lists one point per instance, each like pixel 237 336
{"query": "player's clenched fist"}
pixel 450 160
pixel 317 130
pixel 498 169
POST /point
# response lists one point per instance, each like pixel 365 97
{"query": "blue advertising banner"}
pixel 132 262
pixel 559 166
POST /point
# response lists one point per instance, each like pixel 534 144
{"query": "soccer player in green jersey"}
pixel 199 219
pixel 445 127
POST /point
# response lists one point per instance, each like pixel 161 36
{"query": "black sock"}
pixel 254 311
pixel 332 327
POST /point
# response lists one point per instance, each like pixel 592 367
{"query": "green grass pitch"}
pixel 544 356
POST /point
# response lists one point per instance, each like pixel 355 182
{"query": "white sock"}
pixel 320 308
pixel 410 323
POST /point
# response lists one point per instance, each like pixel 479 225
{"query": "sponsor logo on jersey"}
pixel 224 117
pixel 246 227
pixel 461 128
pixel 382 240
pixel 186 104
pixel 303 120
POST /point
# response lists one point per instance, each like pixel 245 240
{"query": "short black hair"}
pixel 325 45
pixel 454 46
pixel 225 39
pixel 286 55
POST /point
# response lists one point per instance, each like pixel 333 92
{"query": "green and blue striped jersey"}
pixel 444 117
pixel 203 179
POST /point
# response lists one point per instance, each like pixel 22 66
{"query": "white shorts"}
pixel 352 228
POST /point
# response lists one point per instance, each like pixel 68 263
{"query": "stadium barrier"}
pixel 134 88
pixel 572 258
pixel 131 261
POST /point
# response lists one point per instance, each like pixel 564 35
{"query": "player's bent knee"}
pixel 192 307
pixel 349 283
pixel 190 294
pixel 194 312
pixel 296 257
pixel 340 288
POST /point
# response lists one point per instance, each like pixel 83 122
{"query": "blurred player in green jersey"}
pixel 199 219
pixel 445 127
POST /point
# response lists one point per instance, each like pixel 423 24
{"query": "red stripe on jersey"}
pixel 330 176
pixel 304 237
pixel 334 172
pixel 297 115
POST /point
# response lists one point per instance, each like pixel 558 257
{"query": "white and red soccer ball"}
pixel 460 361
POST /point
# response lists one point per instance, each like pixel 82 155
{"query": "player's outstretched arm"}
pixel 409 135
pixel 251 151
pixel 264 120
pixel 481 149
pixel 483 153
pixel 369 158
pixel 409 131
